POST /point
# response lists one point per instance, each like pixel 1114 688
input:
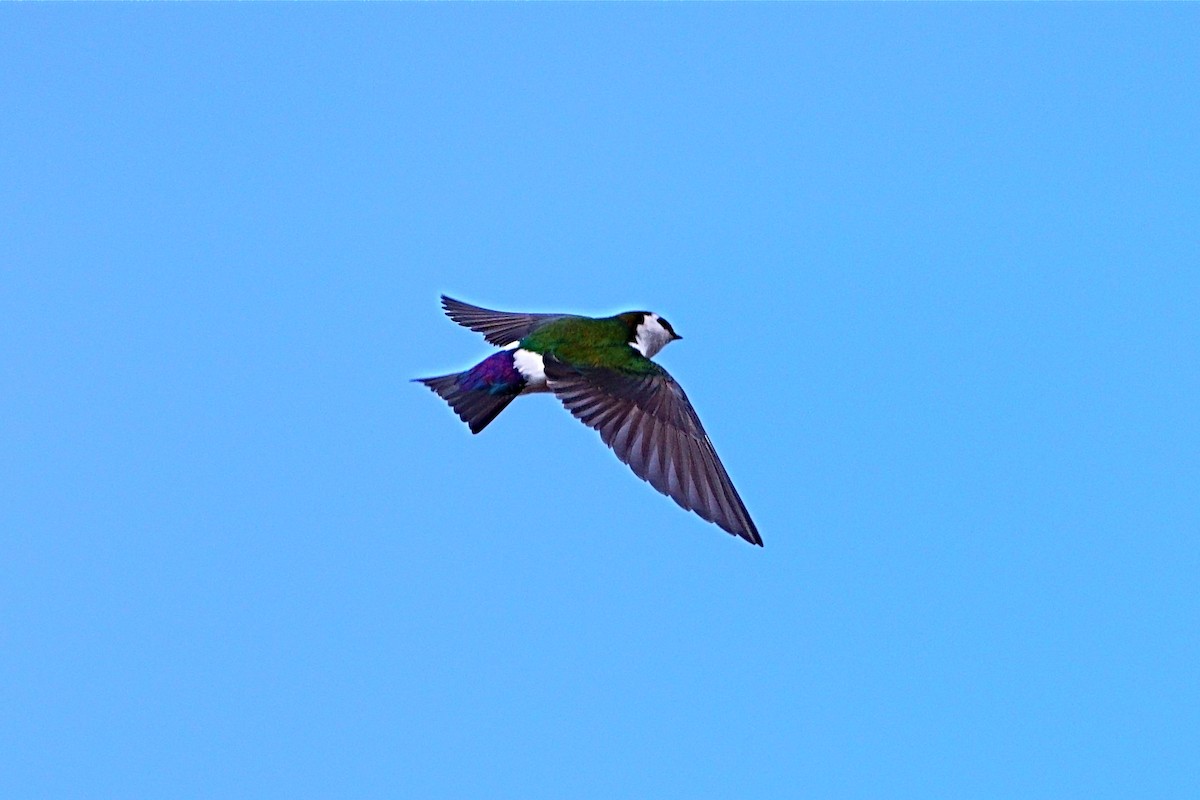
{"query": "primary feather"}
pixel 649 423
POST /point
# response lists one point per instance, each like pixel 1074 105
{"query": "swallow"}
pixel 600 369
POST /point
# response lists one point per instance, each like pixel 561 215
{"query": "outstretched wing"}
pixel 648 422
pixel 499 327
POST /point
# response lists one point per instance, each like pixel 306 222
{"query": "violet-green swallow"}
pixel 601 371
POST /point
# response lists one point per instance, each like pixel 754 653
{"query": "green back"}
pixel 590 342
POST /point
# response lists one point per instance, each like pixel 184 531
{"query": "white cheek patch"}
pixel 532 368
pixel 651 336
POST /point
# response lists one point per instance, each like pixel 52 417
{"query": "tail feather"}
pixel 474 406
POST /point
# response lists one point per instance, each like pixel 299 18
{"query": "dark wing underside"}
pixel 499 327
pixel 648 422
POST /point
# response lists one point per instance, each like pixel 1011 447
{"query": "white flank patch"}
pixel 651 336
pixel 532 368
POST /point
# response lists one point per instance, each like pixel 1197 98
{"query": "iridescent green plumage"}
pixel 583 341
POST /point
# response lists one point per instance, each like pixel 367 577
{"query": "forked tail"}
pixel 479 394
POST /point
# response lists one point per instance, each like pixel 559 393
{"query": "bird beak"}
pixel 675 337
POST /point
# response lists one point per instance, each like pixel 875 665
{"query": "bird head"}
pixel 649 333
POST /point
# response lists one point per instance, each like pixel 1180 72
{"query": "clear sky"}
pixel 937 269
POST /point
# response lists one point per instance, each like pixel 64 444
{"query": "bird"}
pixel 599 368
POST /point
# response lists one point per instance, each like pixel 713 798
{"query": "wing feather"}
pixel 649 423
pixel 501 328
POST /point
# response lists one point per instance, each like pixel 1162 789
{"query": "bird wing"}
pixel 648 422
pixel 498 327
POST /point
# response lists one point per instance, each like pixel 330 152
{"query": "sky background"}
pixel 938 273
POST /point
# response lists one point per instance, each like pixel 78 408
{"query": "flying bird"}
pixel 600 369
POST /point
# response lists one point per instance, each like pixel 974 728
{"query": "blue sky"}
pixel 937 270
